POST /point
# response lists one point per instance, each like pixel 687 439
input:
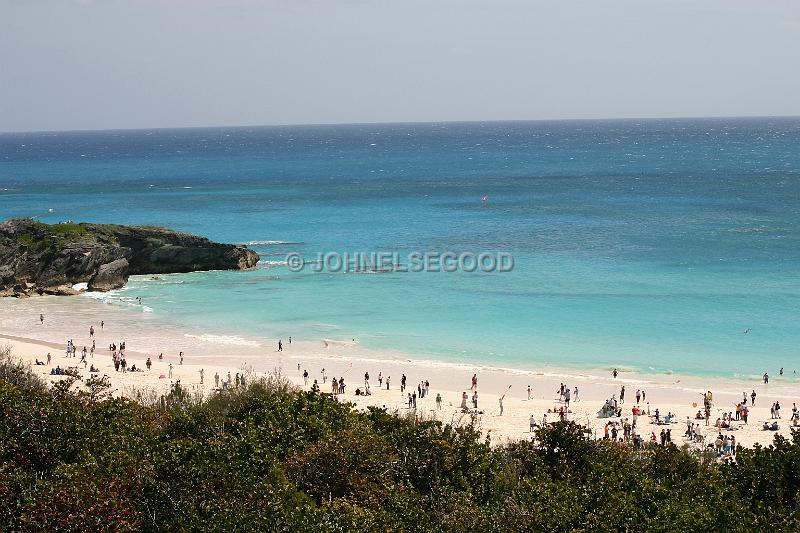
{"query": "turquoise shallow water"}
pixel 644 244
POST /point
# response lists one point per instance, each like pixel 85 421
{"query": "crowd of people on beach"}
pixel 619 428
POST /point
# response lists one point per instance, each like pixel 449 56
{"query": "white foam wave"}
pixel 234 340
pixel 271 264
pixel 269 243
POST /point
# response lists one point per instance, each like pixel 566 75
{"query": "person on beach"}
pixel 439 402
pixel 529 393
pixel 366 380
pixel 161 356
pixel 614 373
pixel 341 385
pixel 181 356
pixel 335 385
pixel 315 386
pixel 638 396
pixel 753 398
pixel 91 331
pixel 170 370
pixel 474 381
pixel 567 396
pixel 475 399
pixel 102 324
pixel 644 396
pixel 280 345
pixel 229 378
pixel 148 363
pixel 414 400
pixel 48 358
pixel 41 319
pixel 380 380
pixel 500 401
pixel 575 396
pixel 766 378
pixel 324 376
pixel 290 340
pixel 622 395
pixel 532 424
pixel 202 374
pixel 388 378
pixel 216 380
pixel 464 400
pixel 403 383
pixel 305 377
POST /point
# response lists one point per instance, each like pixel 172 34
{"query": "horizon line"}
pixel 411 122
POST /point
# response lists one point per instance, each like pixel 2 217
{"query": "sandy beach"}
pixel 328 359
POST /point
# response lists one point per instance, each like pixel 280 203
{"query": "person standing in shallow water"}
pixel 614 373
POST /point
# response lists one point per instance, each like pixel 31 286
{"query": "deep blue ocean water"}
pixel 649 244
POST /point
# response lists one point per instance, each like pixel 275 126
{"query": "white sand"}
pixel 675 394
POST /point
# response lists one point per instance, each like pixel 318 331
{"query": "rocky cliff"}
pixel 50 259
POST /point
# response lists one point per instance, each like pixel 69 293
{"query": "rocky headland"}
pixel 38 258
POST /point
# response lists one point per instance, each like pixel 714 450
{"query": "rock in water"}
pixel 110 276
pixel 43 258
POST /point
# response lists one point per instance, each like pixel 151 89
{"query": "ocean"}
pixel 651 245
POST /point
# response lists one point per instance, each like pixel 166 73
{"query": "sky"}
pixel 107 64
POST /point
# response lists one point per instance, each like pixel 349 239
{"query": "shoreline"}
pixel 677 394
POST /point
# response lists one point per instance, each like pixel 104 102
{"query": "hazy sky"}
pixel 72 64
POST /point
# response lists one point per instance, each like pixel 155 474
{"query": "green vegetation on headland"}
pixel 270 458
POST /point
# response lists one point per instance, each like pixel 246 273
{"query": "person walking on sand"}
pixel 753 398
pixel 566 396
pixel 438 401
pixel 575 395
pixel 202 375
pixel 148 364
pixel 622 395
pixel 388 378
pixel 216 380
pixel 102 324
pixel 474 381
pixel 170 370
pixel 280 345
pixel 305 377
pixel 91 331
pixel 529 392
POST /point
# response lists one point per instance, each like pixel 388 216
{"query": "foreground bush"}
pixel 269 458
